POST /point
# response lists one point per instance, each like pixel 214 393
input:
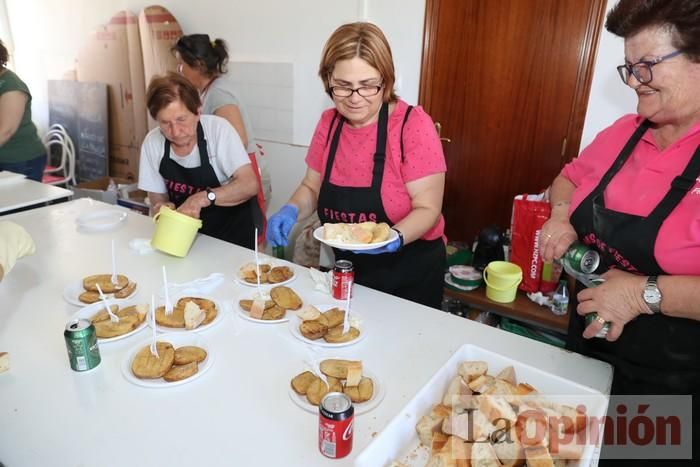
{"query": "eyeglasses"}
pixel 363 91
pixel 642 69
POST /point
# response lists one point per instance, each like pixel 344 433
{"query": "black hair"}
pixel 200 52
pixel 681 17
pixel 4 55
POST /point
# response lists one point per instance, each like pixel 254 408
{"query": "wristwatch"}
pixel 652 294
pixel 211 196
pixel 398 232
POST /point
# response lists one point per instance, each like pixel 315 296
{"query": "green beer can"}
pixel 81 342
pixel 590 317
pixel 582 259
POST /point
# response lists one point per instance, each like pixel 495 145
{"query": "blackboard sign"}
pixel 82 109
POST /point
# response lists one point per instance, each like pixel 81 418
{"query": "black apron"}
pixel 233 224
pixel 655 354
pixel 416 272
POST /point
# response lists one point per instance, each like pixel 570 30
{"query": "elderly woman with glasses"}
pixel 374 158
pixel 634 195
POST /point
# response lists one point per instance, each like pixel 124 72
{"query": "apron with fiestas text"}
pixel 416 272
pixel 656 354
pixel 233 224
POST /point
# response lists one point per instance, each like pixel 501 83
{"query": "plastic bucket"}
pixel 175 232
pixel 502 279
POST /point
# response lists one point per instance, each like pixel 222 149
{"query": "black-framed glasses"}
pixel 642 69
pixel 363 91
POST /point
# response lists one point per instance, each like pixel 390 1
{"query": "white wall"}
pixel 48 34
pixel 610 98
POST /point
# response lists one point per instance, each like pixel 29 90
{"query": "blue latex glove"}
pixel 390 247
pixel 280 224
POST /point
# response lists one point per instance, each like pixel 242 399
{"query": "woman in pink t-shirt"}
pixel 634 196
pixel 374 158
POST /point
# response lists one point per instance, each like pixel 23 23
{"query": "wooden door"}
pixel 508 80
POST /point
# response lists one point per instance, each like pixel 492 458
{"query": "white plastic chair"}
pixel 64 173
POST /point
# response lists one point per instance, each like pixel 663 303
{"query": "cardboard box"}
pixel 134 199
pixel 97 189
pixel 159 31
pixel 113 56
pixel 125 193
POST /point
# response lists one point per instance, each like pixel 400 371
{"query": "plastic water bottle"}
pixel 278 252
pixel 560 300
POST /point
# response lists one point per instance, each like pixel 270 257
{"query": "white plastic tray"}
pixel 398 441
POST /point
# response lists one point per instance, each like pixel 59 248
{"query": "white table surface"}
pixel 16 194
pixel 238 413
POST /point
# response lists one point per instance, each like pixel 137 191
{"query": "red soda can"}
pixel 335 420
pixel 343 277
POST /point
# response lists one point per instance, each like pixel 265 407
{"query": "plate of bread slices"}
pixel 84 292
pixel 270 274
pixel 131 319
pixel 270 308
pixel 362 236
pixel 350 377
pixel 190 314
pixel 181 359
pixel 322 326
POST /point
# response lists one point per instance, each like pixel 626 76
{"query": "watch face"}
pixel 211 195
pixel 652 296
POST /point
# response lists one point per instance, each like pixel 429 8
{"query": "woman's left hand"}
pixel 194 204
pixel 390 247
pixel 618 301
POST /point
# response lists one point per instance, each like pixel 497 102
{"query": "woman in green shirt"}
pixel 21 150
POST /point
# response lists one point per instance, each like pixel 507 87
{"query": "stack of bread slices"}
pixel 494 421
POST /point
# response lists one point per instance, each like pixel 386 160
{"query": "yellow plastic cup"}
pixel 502 279
pixel 175 232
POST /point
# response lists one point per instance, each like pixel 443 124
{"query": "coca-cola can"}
pixel 343 278
pixel 335 420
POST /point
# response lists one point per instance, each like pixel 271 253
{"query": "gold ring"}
pixel 600 320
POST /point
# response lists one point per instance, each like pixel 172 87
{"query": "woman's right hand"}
pixel 556 237
pixel 280 224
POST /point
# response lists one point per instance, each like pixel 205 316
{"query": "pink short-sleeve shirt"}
pixel 353 164
pixel 641 184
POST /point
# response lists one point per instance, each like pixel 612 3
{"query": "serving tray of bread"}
pixel 491 410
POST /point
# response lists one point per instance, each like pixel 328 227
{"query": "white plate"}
pixel 360 408
pixel 318 235
pixel 75 288
pixel 294 276
pixel 90 310
pixel 398 440
pixel 245 315
pixel 178 340
pixel 295 322
pixel 466 288
pixel 101 219
pixel 217 320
